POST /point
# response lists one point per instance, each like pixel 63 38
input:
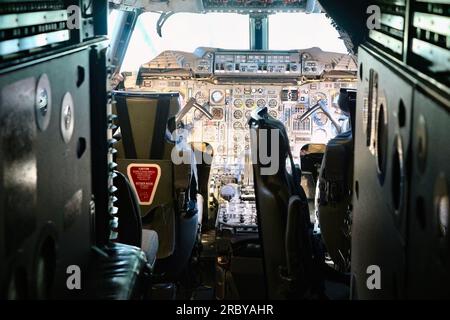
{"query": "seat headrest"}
pixel 347 100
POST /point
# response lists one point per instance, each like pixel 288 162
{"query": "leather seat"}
pixel 335 188
pixel 118 272
pixel 182 226
pixel 291 257
pixel 130 221
pixel 145 121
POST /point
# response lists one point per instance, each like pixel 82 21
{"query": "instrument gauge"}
pixel 217 96
pixel 201 97
pixel 248 114
pixel 274 114
pixel 261 103
pixel 273 103
pixel 217 113
pixel 198 115
pixel 237 126
pixel 238 103
pixel 320 119
pixel 238 114
pixel 316 97
pixel 250 103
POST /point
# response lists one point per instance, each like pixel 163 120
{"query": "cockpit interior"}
pixel 224 150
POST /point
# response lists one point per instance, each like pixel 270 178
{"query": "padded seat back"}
pixel 143 119
pixel 335 188
pixel 284 223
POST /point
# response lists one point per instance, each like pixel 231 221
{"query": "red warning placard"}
pixel 144 179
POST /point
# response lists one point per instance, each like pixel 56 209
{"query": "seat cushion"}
pixel 150 245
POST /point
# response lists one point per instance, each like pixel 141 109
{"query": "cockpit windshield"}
pixel 301 30
pixel 188 31
pixel 185 32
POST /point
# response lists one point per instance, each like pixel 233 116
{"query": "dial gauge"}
pixel 315 97
pixel 238 103
pixel 320 119
pixel 201 97
pixel 248 114
pixel 217 96
pixel 237 126
pixel 261 103
pixel 217 113
pixel 273 103
pixel 238 137
pixel 238 114
pixel 274 114
pixel 250 103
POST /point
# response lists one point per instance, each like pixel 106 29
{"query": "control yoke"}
pixel 192 103
pixel 322 105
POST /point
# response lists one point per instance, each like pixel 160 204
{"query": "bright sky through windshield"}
pixel 188 31
pixel 185 32
pixel 300 31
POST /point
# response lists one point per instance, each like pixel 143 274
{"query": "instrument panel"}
pixel 266 5
pixel 257 63
pixel 310 63
pixel 235 83
pixel 232 104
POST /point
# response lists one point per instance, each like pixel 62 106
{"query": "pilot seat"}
pixel 333 198
pixel 167 226
pixel 292 253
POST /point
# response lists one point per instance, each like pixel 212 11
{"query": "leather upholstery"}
pixel 334 197
pixel 284 222
pixel 335 188
pixel 178 222
pixel 118 272
pixel 147 122
pixel 130 221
